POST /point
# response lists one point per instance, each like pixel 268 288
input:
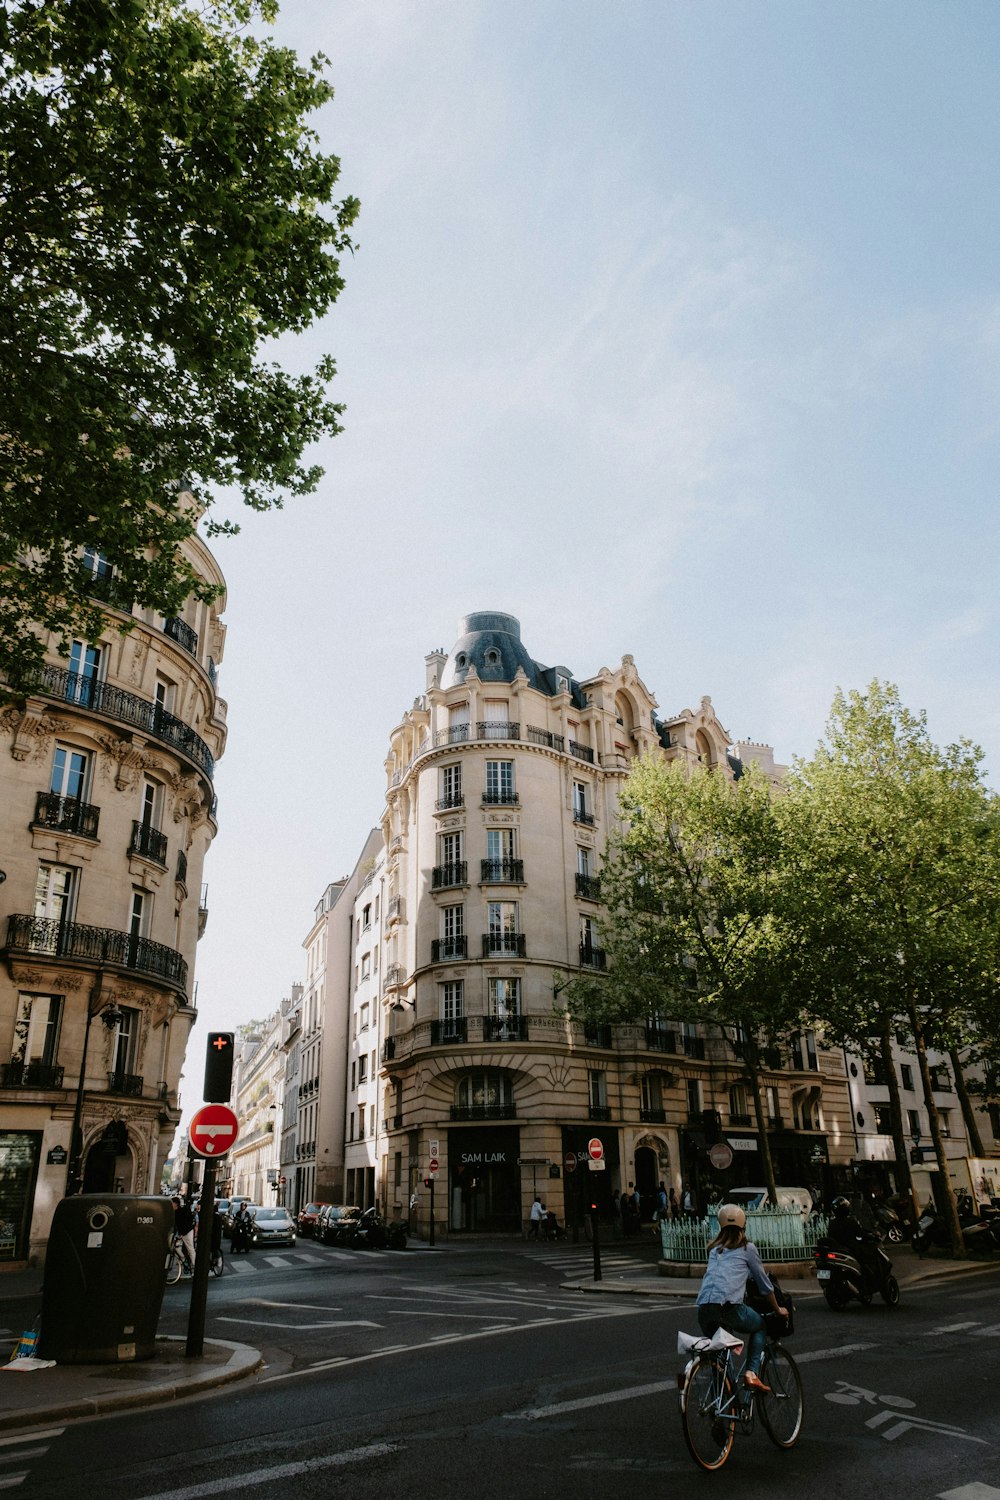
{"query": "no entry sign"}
pixel 595 1148
pixel 213 1130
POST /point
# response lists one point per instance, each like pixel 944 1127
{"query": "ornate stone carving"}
pixel 123 762
pixel 31 733
pixel 187 801
pixel 557 1077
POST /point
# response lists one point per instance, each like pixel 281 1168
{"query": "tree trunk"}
pixel 760 1114
pixel 951 1206
pixel 968 1110
pixel 904 1176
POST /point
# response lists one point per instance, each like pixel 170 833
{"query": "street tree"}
pixel 691 928
pixel 165 215
pixel 893 849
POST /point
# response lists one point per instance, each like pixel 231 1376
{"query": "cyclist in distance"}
pixel 732 1261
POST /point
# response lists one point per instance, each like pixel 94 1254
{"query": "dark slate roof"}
pixel 491 642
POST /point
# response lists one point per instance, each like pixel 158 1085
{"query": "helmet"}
pixel 731 1213
pixel 841 1207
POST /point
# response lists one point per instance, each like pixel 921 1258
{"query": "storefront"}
pixel 484 1181
pixel 19 1154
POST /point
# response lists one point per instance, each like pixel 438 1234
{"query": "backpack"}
pixel 775 1326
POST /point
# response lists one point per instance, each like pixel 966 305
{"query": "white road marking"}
pixel 467 1317
pixel 13 1479
pixel 814 1354
pixel 974 1491
pixel 22 1454
pixel 32 1437
pixel 260 1323
pixel 280 1261
pixel 605 1399
pixel 303 1306
pixel 234 1482
pixel 951 1328
pixel 991 1332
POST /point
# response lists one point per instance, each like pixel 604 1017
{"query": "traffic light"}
pixel 428 1182
pixel 218 1067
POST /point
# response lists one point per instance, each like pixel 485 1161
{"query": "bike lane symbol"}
pixel 893 1423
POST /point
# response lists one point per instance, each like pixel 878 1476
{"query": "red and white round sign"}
pixel 595 1149
pixel 433 1163
pixel 213 1130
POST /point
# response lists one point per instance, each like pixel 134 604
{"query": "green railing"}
pixel 778 1233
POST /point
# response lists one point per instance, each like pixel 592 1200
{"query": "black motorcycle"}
pixel 979 1236
pixel 844 1276
pixel 888 1224
pixel 396 1234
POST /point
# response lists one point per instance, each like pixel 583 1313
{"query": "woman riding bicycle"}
pixel 732 1261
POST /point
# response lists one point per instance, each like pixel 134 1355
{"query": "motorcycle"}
pixel 979 1236
pixel 888 1225
pixel 397 1232
pixel 844 1277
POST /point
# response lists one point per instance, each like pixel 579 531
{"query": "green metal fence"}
pixel 779 1234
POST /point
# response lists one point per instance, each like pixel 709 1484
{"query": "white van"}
pixel 749 1198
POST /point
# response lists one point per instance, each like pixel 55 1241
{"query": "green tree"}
pixel 893 846
pixel 164 213
pixel 692 928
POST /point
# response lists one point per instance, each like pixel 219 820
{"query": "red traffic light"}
pixel 428 1182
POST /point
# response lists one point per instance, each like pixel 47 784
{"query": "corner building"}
pixel 503 783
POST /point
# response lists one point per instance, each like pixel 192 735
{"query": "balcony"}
pixel 501 798
pixel 395 975
pixel 597 1036
pixel 149 843
pixel 502 872
pixel 505 1028
pixel 445 949
pixel 543 737
pixel 599 1112
pixel 394 909
pixel 182 633
pixel 484 1111
pixel 582 752
pixel 446 1033
pixel 443 876
pixel 31 1075
pixel 66 815
pixel 741 1122
pixel 503 945
pixel 581 815
pixel 591 957
pixel 129 1084
pixel 501 731
pixel 653 1116
pixel 397 1122
pixel 659 1039
pixel 693 1046
pixel 126 708
pixel 588 887
pixel 456 734
pixel 44 937
pixel 388 1049
pixel 454 799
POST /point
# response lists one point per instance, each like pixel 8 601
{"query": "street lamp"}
pixel 111 1016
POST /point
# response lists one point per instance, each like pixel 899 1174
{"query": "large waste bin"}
pixel 104 1278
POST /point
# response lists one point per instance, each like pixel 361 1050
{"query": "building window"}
pixel 350 1126
pixel 36 1033
pixel 580 803
pixel 487 1090
pixel 739 1105
pixel 906 1073
pixel 505 998
pixel 499 848
pixel 452 923
pixel 451 848
pixel 804 1051
pixel 500 781
pixel 694 1097
pixel 883 1119
pixel 944 1121
pixel 366 966
pixel 582 861
pixel 70 773
pixel 84 672
pixel 54 891
pixel 354 1076
pixel 365 1016
pixel 597 1088
pixel 366 916
pixel 652 1092
pixel 451 786
pixel 126 1041
pixel 363 1068
pixel 452 1001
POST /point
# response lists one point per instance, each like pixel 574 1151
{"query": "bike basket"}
pixel 775 1326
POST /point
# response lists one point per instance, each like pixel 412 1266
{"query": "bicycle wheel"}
pixel 708 1413
pixel 781 1406
pixel 173 1267
pixel 218 1264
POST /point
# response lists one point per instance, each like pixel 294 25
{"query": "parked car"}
pixel 337 1223
pixel 273 1226
pixel 307 1217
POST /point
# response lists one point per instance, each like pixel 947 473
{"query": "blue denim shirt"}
pixel 725 1279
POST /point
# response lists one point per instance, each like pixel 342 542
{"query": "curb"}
pixel 242 1363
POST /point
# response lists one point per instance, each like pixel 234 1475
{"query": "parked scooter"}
pixel 888 1225
pixel 979 1236
pixel 396 1233
pixel 844 1277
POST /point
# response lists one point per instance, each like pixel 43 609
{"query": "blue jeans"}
pixel 735 1317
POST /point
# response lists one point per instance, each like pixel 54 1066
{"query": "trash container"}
pixel 104 1278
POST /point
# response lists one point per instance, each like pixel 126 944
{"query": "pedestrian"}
pixel 184 1227
pixel 535 1218
pixel 675 1208
pixel 616 1215
pixel 732 1261
pixel 661 1201
pixel 689 1203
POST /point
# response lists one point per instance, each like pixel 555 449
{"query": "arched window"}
pixel 485 1094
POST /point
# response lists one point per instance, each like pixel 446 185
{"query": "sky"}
pixel 674 330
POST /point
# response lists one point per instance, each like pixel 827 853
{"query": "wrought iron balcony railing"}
pixel 582 752
pixel 455 873
pixel 453 799
pixel 581 815
pixel 126 708
pixel 395 975
pixel 30 1075
pixel 591 957
pixel 502 871
pixel 503 944
pixel 394 909
pixel 49 938
pixel 505 1028
pixel 597 1035
pixel 599 1112
pixel 588 887
pixel 653 1116
pixel 455 734
pixel 502 731
pixel 125 1083
pixel 66 815
pixel 484 1111
pixel 693 1046
pixel 149 842
pixel 659 1039
pixel 444 1033
pixel 443 949
pixel 501 798
pixel 181 632
pixel 543 737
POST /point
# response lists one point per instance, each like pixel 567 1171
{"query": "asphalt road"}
pixel 473 1372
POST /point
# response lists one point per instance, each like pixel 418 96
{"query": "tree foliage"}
pixel 164 211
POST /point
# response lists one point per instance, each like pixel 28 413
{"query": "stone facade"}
pixel 107 811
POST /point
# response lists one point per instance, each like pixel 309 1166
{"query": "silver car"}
pixel 273 1226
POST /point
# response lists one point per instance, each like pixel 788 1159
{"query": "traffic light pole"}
pixel 430 1237
pixel 595 1234
pixel 202 1262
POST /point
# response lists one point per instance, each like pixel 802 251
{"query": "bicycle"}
pixel 178 1262
pixel 714 1401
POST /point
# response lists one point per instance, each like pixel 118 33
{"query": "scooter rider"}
pixel 847 1234
pixel 732 1261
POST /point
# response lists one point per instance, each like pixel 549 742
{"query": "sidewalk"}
pixel 60 1393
